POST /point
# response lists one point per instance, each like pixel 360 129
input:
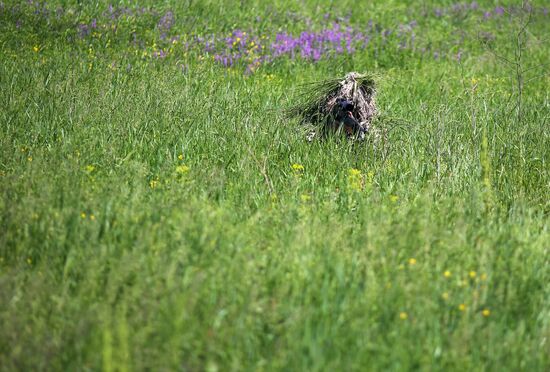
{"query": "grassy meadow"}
pixel 159 211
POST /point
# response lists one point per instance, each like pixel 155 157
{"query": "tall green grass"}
pixel 152 219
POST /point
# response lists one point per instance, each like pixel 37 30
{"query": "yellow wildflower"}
pixel 180 156
pixel 447 274
pixel 472 274
pixel 90 168
pixel 182 169
pixel 394 198
pixel 153 183
pixel 297 167
pixel 355 180
pixel 486 312
pixel 462 307
pixel 403 315
pixel 83 215
pixel 445 295
pixel 29 159
pixel 370 177
pixel 412 261
pixel 354 172
pixel 36 48
pixel 92 217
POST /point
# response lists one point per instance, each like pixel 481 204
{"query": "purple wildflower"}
pixel 499 10
pixel 370 25
pixel 83 30
pixel 224 60
pixel 209 46
pixel 316 54
pixel 165 23
pixel 457 8
pixel 161 54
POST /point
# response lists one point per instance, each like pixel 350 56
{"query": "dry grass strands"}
pixel 338 106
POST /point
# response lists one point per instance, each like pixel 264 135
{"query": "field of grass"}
pixel 159 212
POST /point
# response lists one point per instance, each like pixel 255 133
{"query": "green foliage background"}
pixel 151 219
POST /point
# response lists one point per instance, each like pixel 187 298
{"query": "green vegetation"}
pixel 159 212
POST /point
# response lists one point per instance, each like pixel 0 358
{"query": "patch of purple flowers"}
pixel 249 49
pixel 165 24
pixel 308 45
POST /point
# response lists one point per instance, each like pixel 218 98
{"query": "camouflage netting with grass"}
pixel 339 105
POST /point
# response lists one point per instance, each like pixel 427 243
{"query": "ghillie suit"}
pixel 336 106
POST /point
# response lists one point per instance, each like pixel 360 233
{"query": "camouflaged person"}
pixel 339 106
